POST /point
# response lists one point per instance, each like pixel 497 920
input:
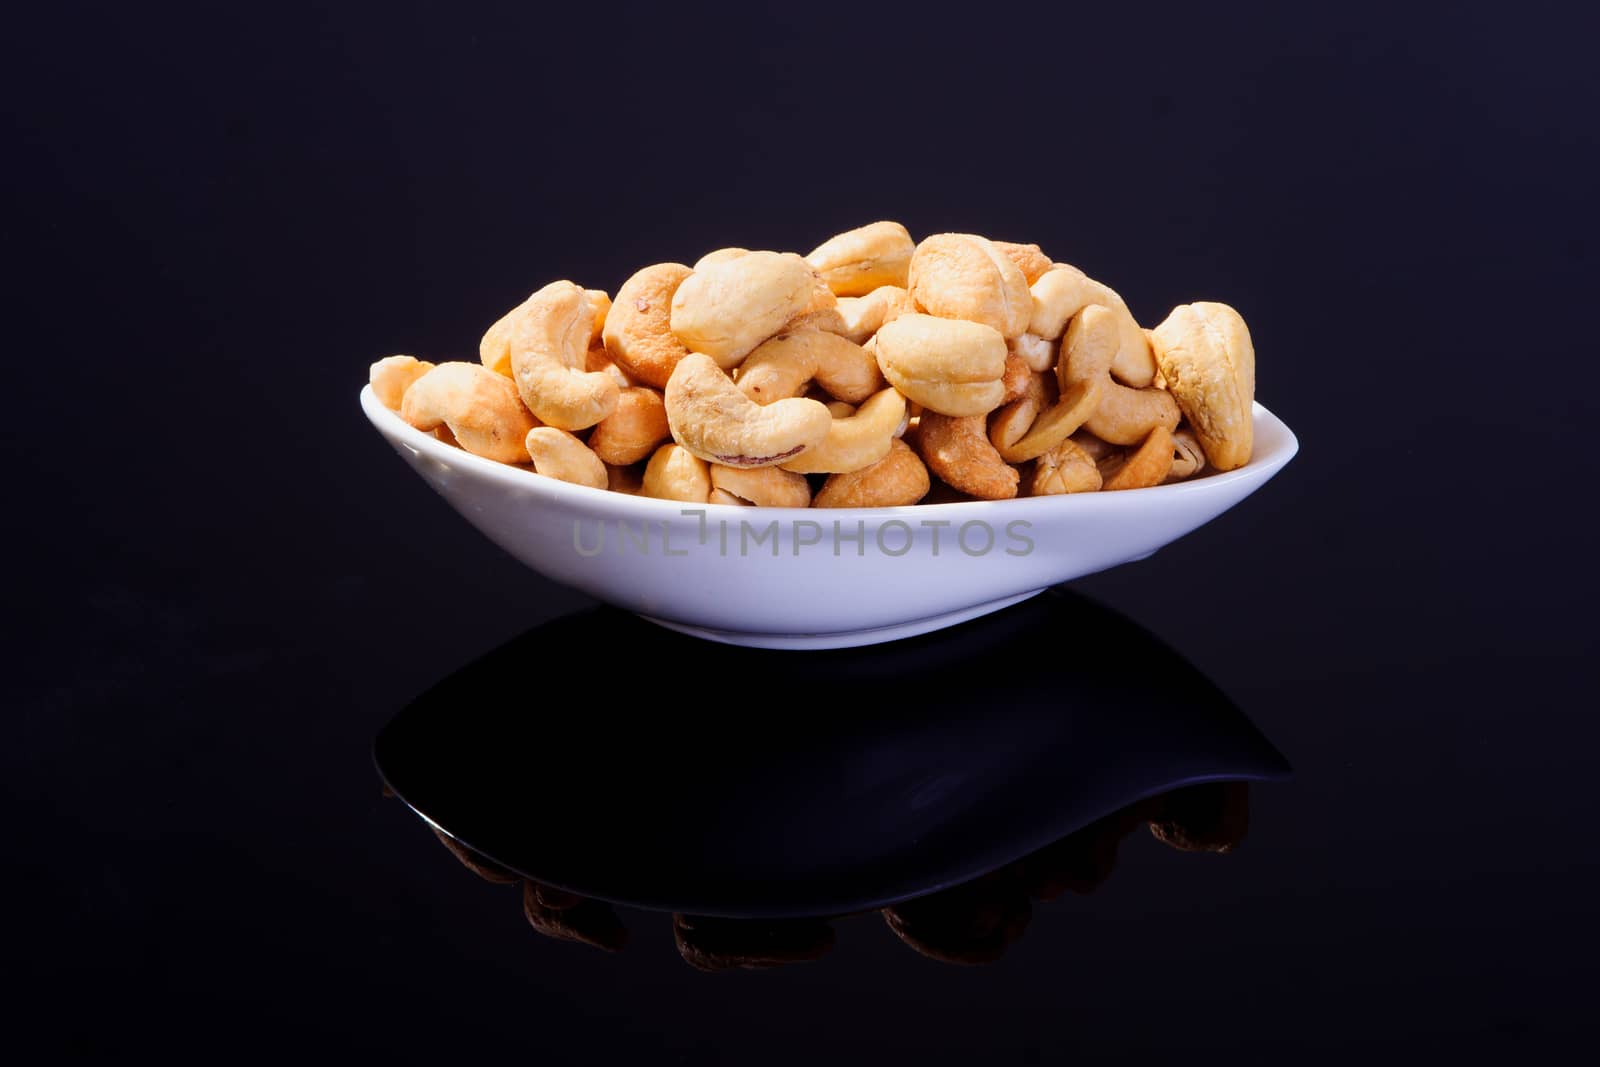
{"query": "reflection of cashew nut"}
pixel 858 440
pixel 896 480
pixel 781 366
pixel 558 454
pixel 638 333
pixel 1029 258
pixel 1066 468
pixel 632 431
pixel 1209 363
pixel 675 473
pixel 393 375
pixel 1188 458
pixel 1145 466
pixel 481 408
pixel 768 487
pixel 959 452
pixel 1125 416
pixel 730 307
pixel 710 417
pixel 858 261
pixel 1063 291
pixel 963 276
pixel 947 365
pixel 549 346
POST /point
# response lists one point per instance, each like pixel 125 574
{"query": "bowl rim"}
pixel 1263 464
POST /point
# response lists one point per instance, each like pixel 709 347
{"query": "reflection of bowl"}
pixel 814 578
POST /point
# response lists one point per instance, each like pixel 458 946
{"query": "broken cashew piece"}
pixel 392 376
pixel 963 276
pixel 481 409
pixel 710 417
pixel 675 473
pixel 1124 415
pixel 781 366
pixel 1209 363
pixel 633 430
pixel 958 451
pixel 1066 468
pixel 768 487
pixel 897 480
pixel 858 261
pixel 949 366
pixel 728 308
pixel 858 440
pixel 558 454
pixel 549 346
pixel 1141 468
pixel 1188 458
pixel 638 333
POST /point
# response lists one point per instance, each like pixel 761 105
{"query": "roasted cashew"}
pixel 858 440
pixel 1093 447
pixel 558 454
pixel 392 376
pixel 675 473
pixel 1008 424
pixel 768 487
pixel 595 359
pixel 1125 416
pixel 963 276
pixel 549 340
pixel 1016 378
pixel 710 417
pixel 481 409
pixel 950 366
pixel 1035 351
pixel 1144 466
pixel 864 315
pixel 896 480
pixel 837 408
pixel 1058 422
pixel 781 366
pixel 730 307
pixel 1209 363
pixel 638 333
pixel 858 261
pixel 634 429
pixel 958 451
pixel 1030 259
pixel 721 255
pixel 1188 458
pixel 600 305
pixel 1066 468
pixel 1063 291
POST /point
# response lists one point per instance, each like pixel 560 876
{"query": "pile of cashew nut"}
pixel 874 372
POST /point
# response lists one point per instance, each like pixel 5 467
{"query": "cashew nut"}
pixel 638 334
pixel 730 307
pixel 721 255
pixel 1066 468
pixel 864 315
pixel 958 451
pixel 1029 258
pixel 963 276
pixel 634 429
pixel 675 473
pixel 481 409
pixel 896 480
pixel 1063 291
pixel 837 408
pixel 549 339
pixel 494 350
pixel 1124 416
pixel 1016 377
pixel 949 366
pixel 1145 466
pixel 558 454
pixel 858 261
pixel 600 305
pixel 1008 424
pixel 1209 363
pixel 392 376
pixel 722 496
pixel 710 417
pixel 595 359
pixel 781 366
pixel 768 487
pixel 1035 351
pixel 1060 421
pixel 1188 458
pixel 858 440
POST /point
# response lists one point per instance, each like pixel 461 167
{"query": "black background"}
pixel 222 582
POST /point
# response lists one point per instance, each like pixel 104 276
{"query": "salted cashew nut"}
pixel 768 487
pixel 1038 353
pixel 710 417
pixel 857 440
pixel 634 429
pixel 391 376
pixel 1063 291
pixel 950 366
pixel 638 333
pixel 958 451
pixel 558 454
pixel 481 409
pixel 720 255
pixel 837 408
pixel 1066 468
pixel 963 276
pixel 728 308
pixel 595 359
pixel 494 350
pixel 1058 422
pixel 1209 363
pixel 1093 447
pixel 600 306
pixel 549 340
pixel 1029 258
pixel 781 366
pixel 675 473
pixel 863 316
pixel 858 261
pixel 897 480
pixel 1142 467
pixel 1016 378
pixel 1188 458
pixel 1124 416
pixel 1009 423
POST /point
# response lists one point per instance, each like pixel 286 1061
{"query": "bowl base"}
pixel 876 635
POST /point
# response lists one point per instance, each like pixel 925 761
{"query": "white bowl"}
pixel 817 578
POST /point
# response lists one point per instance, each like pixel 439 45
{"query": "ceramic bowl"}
pixel 817 578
